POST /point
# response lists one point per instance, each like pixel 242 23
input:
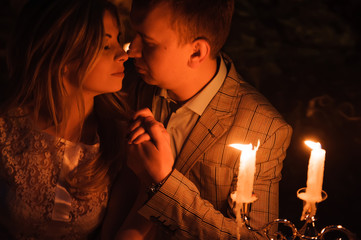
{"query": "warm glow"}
pixel 244 147
pixel 247 167
pixel 313 145
pixel 241 147
pixel 315 170
pixel 126 46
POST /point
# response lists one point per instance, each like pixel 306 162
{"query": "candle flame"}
pixel 126 46
pixel 244 147
pixel 241 147
pixel 313 145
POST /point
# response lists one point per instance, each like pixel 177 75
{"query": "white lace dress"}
pixel 34 202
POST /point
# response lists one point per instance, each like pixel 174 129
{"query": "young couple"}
pixel 195 91
pixel 64 134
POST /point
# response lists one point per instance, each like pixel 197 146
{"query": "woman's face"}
pixel 107 73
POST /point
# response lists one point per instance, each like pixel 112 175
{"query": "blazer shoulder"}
pixel 246 98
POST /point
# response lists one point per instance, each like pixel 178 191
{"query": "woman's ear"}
pixel 65 71
pixel 68 73
pixel 200 51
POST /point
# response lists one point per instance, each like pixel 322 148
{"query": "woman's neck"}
pixel 77 126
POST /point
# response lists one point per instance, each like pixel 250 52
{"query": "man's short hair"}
pixel 195 19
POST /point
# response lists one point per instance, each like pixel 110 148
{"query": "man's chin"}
pixel 146 77
pixel 149 80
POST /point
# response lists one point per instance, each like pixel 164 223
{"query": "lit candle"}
pixel 126 47
pixel 315 172
pixel 247 167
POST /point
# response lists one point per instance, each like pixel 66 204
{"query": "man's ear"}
pixel 200 51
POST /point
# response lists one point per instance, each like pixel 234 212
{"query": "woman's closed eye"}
pixel 107 41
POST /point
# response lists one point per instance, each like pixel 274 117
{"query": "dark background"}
pixel 304 56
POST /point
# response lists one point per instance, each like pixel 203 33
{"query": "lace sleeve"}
pixel 3 132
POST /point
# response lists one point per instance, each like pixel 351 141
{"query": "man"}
pixel 195 91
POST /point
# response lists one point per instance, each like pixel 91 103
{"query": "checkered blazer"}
pixel 193 202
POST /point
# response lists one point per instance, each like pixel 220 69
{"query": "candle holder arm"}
pixel 308 231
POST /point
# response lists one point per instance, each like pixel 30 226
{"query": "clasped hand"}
pixel 149 152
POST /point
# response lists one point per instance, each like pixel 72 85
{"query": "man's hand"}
pixel 149 152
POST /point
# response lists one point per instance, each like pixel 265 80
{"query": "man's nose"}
pixel 135 47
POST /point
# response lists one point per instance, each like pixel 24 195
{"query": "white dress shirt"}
pixel 181 122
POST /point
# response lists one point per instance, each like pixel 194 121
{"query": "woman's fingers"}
pixel 156 131
pixel 135 133
pixel 145 112
pixel 141 138
pixel 146 128
pixel 135 124
pixel 151 160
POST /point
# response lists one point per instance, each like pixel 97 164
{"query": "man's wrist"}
pixel 154 187
pixel 158 176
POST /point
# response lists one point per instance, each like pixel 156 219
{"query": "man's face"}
pixel 159 57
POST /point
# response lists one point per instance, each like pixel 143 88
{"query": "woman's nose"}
pixel 121 56
pixel 135 47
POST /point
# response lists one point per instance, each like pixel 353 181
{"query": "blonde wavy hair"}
pixel 51 35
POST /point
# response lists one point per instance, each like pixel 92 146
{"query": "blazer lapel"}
pixel 214 122
pixel 207 130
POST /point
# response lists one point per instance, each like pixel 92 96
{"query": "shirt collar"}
pixel 200 101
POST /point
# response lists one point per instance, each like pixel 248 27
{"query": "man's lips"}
pixel 140 69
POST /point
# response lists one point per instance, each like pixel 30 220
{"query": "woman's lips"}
pixel 118 74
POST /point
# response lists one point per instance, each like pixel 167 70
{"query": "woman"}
pixel 60 139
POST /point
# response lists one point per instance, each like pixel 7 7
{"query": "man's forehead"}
pixel 160 14
pixel 139 12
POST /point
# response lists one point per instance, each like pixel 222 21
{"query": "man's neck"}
pixel 196 81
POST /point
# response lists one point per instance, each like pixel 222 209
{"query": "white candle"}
pixel 247 167
pixel 315 172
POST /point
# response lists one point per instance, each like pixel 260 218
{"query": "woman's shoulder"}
pixel 13 124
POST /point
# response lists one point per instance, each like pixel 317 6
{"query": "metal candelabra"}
pixel 307 231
